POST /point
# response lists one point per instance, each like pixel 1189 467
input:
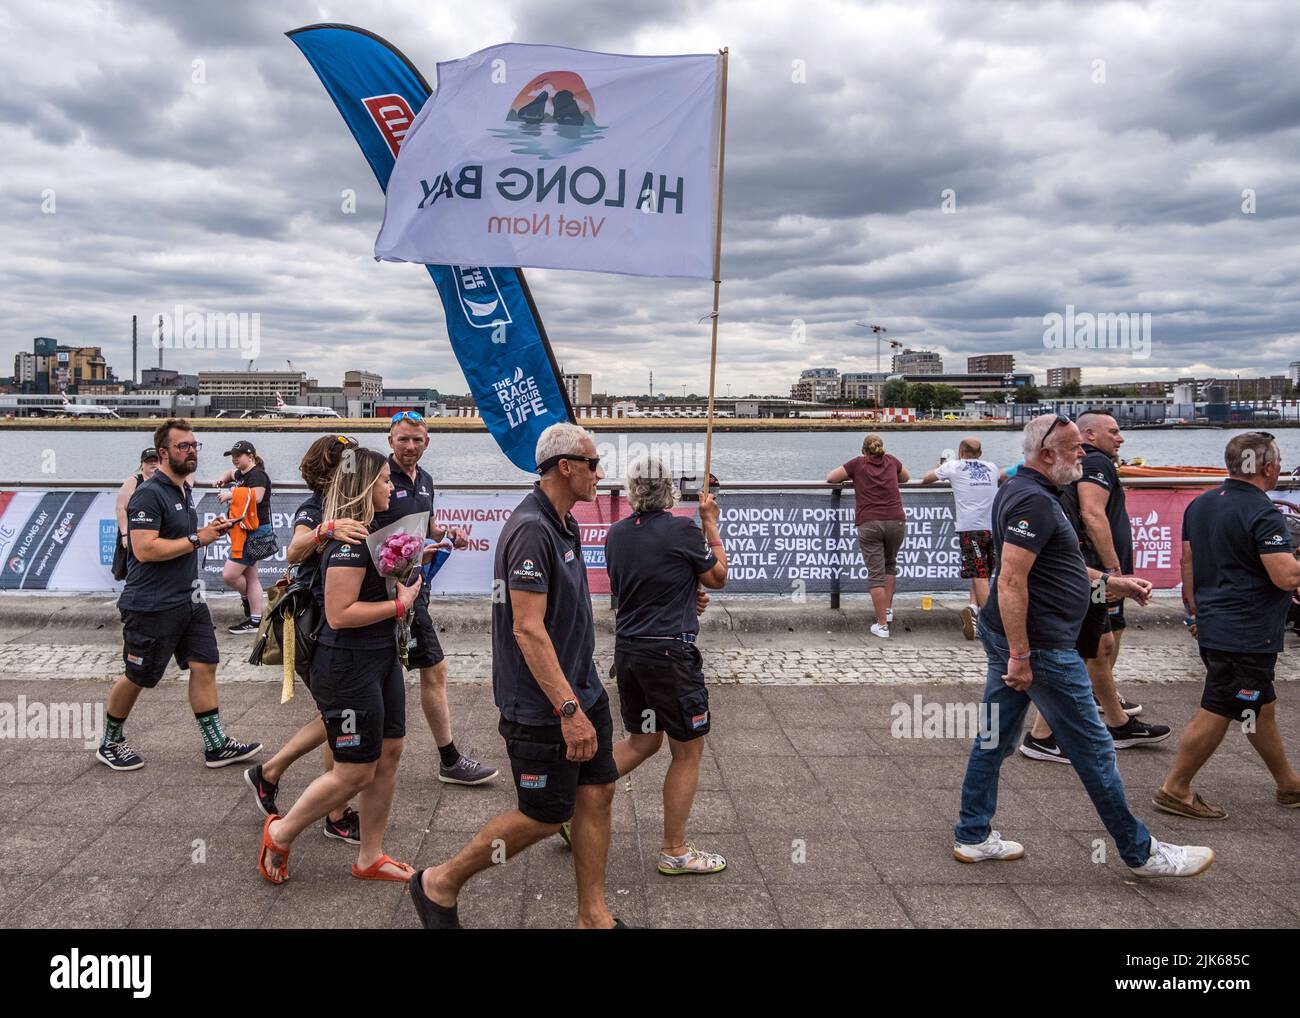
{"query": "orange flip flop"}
pixel 374 872
pixel 279 856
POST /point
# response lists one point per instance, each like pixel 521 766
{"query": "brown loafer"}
pixel 1197 809
pixel 1291 800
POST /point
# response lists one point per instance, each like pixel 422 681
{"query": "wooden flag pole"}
pixel 717 277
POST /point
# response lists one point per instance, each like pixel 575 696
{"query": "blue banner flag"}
pixel 492 322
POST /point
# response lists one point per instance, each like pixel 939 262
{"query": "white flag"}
pixel 561 158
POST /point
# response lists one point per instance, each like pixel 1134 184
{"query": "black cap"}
pixel 240 447
pixel 148 454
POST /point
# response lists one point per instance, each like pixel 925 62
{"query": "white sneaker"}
pixel 992 847
pixel 1174 860
pixel 878 630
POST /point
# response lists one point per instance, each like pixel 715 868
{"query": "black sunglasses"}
pixel 1060 419
pixel 592 461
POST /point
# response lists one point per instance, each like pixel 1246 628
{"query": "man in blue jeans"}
pixel 1032 656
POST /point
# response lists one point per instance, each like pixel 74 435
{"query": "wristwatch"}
pixel 567 709
pixel 194 540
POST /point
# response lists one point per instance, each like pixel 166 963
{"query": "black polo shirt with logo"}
pixel 310 514
pixel 1099 469
pixel 654 560
pixel 538 551
pixel 374 589
pixel 1027 513
pixel 158 504
pixel 1237 606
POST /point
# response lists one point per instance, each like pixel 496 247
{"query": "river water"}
pixel 749 457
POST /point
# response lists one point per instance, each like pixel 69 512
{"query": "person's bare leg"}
pixel 1040 729
pixel 1103 681
pixel 302 742
pixel 510 832
pixel 679 791
pixel 590 834
pixel 879 602
pixel 636 749
pixel 376 801
pixel 122 697
pixel 979 592
pixel 325 793
pixel 253 590
pixel 1196 745
pixel 433 701
pixel 232 573
pixel 1267 740
pixel 203 687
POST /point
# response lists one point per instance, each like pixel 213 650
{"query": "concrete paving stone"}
pixel 713 810
pixel 838 906
pixel 1097 906
pixel 207 898
pixel 771 774
pixel 821 741
pixel 884 809
pixel 719 906
pixel 555 908
pixel 86 900
pixel 751 742
pixel 839 773
pixel 820 858
pixel 28 848
pixel 1198 903
pixel 14 889
pixel 55 768
pixel 1258 857
pixel 966 908
pixel 22 802
pixel 356 904
pixel 153 851
pixel 550 863
pixel 902 858
pixel 797 816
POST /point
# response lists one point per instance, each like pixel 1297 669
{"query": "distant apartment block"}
pixel 918 362
pixel 362 385
pixel 579 389
pixel 991 364
pixel 816 385
pixel 1057 377
pixel 862 385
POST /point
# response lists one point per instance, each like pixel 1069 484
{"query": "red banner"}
pixel 1156 515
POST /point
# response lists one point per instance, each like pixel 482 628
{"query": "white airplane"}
pixel 78 410
pixel 284 409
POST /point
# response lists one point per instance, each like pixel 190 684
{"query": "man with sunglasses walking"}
pixel 1029 628
pixel 408 437
pixel 164 611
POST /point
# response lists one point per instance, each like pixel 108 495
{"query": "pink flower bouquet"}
pixel 400 555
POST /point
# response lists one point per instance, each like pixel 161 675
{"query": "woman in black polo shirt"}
pixel 357 682
pixel 311 533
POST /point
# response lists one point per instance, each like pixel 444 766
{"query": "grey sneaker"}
pixel 466 771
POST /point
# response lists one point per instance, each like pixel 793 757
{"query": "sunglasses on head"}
pixel 408 415
pixel 344 440
pixel 1060 419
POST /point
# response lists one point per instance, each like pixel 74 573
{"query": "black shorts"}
pixel 546 783
pixel 1236 682
pixel 150 639
pixel 1094 625
pixel 661 688
pixel 427 651
pixel 1115 620
pixel 978 559
pixel 361 695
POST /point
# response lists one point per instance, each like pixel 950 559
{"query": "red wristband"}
pixel 715 544
pixel 401 609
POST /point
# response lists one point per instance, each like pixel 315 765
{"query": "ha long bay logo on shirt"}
pixel 553 116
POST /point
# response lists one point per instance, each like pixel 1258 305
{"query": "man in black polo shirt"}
pixel 555 714
pixel 164 614
pixel 1096 507
pixel 1238 577
pixel 408 437
pixel 1037 602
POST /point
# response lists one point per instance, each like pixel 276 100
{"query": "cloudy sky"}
pixel 1098 155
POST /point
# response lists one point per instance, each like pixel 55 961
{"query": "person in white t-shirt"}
pixel 974 482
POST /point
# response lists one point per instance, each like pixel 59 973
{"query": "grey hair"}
pixel 1246 455
pixel 1031 440
pixel 650 485
pixel 560 440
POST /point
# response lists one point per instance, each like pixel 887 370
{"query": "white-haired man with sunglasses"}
pixel 555 714
pixel 408 437
pixel 1029 627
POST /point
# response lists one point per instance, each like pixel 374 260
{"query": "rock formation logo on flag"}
pixel 542 179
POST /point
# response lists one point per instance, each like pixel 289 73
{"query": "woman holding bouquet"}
pixel 312 532
pixel 357 682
